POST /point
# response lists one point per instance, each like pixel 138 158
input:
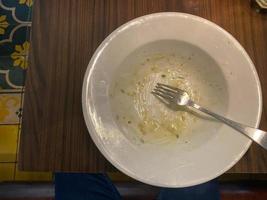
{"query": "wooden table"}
pixel 65 34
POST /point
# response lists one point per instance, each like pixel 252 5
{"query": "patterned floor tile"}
pixel 7 171
pixel 12 72
pixel 10 106
pixel 30 14
pixel 32 176
pixel 17 11
pixel 3 24
pixel 14 40
pixel 8 143
pixel 28 36
pixel 15 27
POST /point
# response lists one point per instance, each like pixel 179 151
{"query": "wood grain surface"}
pixel 65 33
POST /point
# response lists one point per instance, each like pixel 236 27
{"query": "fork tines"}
pixel 165 91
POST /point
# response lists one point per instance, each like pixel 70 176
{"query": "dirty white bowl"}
pixel 220 71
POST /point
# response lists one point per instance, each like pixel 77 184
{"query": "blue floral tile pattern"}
pixel 12 73
pixel 15 23
pixel 16 35
pixel 3 24
pixel 17 11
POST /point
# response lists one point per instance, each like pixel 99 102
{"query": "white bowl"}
pixel 217 68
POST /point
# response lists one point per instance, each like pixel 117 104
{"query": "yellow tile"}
pixel 7 171
pixel 8 143
pixel 10 108
pixel 32 176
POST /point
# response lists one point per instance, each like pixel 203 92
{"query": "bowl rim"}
pixel 101 47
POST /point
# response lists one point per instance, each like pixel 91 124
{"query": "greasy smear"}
pixel 156 122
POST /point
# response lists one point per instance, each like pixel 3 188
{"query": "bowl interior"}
pixel 142 118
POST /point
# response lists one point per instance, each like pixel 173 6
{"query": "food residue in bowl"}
pixel 150 118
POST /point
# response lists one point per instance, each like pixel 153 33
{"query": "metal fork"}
pixel 174 96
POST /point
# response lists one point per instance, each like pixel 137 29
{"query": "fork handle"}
pixel 256 135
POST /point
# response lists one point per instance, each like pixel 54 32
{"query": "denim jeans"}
pixel 82 186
